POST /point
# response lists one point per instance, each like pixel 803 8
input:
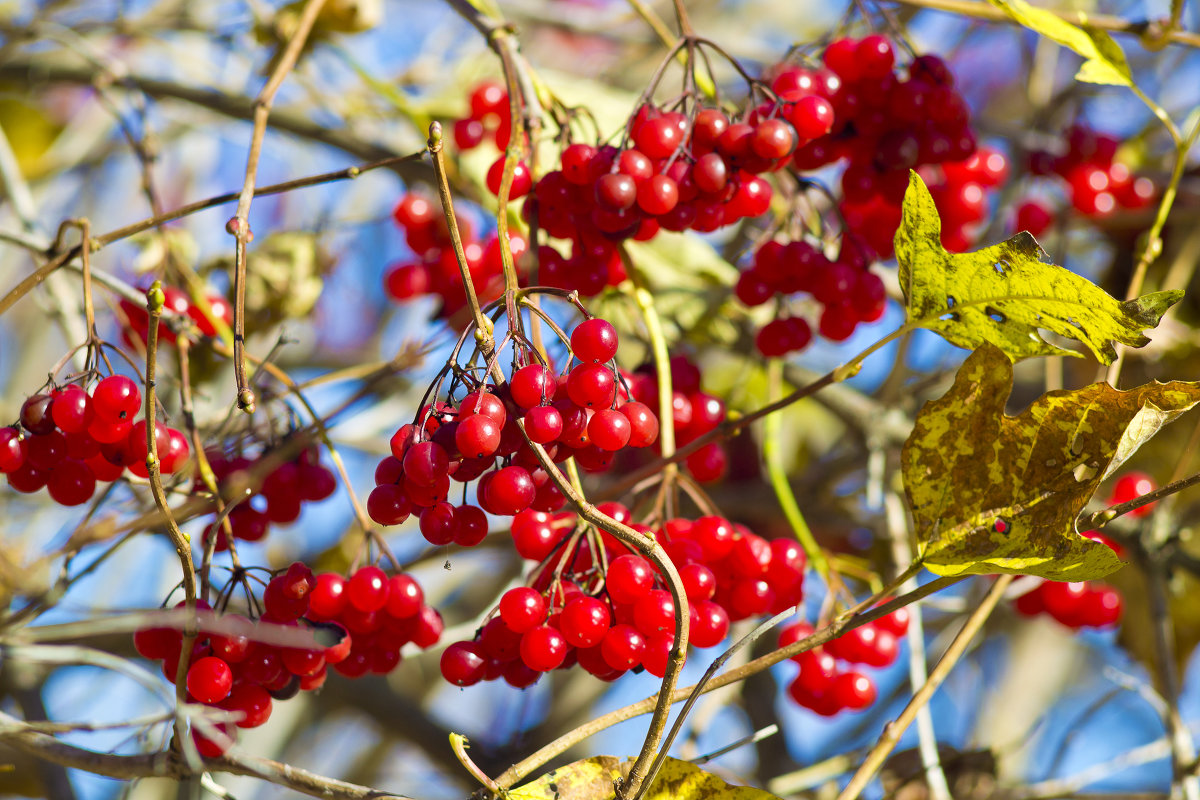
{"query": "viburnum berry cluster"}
pixel 284 485
pixel 887 120
pixel 579 414
pixel 592 602
pixel 848 292
pixel 1078 604
pixel 435 268
pixel 694 413
pixel 178 302
pixel 68 439
pixel 1096 182
pixel 826 687
pixel 490 112
pixel 357 624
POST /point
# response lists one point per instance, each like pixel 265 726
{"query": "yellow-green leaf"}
pixel 1104 62
pixel 1005 293
pixel 593 779
pixel 994 493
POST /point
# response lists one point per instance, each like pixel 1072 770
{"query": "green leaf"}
pixel 993 493
pixel 593 779
pixel 1005 293
pixel 1104 62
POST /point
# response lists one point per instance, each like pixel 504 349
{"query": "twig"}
pixel 894 730
pixel 239 226
pixel 183 547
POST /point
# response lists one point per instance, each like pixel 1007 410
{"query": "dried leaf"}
pixel 993 493
pixel 593 779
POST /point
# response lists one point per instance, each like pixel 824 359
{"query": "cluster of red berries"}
pixel 283 491
pixel 69 439
pixel 961 192
pixel 1089 604
pixel 826 689
pixel 365 620
pixel 177 301
pixel 693 414
pixel 847 290
pixel 610 621
pixel 701 174
pixel 1081 604
pixel 490 113
pixel 435 268
pixel 580 415
pixel 1096 183
pixel 886 123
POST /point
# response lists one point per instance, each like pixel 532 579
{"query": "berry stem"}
pixel 483 328
pixel 662 363
pixel 239 226
pixel 893 731
pixel 183 546
pixel 772 429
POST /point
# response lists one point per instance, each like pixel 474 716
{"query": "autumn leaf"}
pixel 593 779
pixel 993 493
pixel 1104 61
pixel 1004 293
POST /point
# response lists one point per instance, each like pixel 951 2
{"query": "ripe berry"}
pixel 252 701
pixel 609 429
pixel 522 609
pixel 708 623
pixel 594 340
pixel 853 690
pixel 623 646
pixel 13 450
pixel 532 385
pixel 584 621
pixel 629 578
pixel 544 424
pixel 643 425
pixel 115 399
pixel 463 664
pixel 591 386
pixel 510 491
pixel 72 409
pixel 388 505
pixel 658 195
pixel 71 483
pixel 616 191
pixel 543 649
pixel 367 589
pixel 477 436
pixel 209 680
pixel 1130 486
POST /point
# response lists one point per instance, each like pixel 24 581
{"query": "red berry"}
pixel 1130 486
pixel 209 680
pixel 463 664
pixel 584 621
pixel 533 385
pixel 592 386
pixel 522 609
pixel 629 578
pixel 116 399
pixel 367 589
pixel 543 649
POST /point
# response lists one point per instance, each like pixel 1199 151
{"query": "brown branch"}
pixel 17 734
pixel 239 226
pixel 37 71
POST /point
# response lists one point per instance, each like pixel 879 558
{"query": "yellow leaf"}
pixel 1104 62
pixel 993 493
pixel 1007 294
pixel 594 779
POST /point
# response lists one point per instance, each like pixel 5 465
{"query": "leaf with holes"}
pixel 593 779
pixel 993 493
pixel 1104 61
pixel 1005 293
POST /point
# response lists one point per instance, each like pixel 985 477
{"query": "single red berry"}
pixel 1131 486
pixel 629 578
pixel 533 385
pixel 116 399
pixel 209 680
pixel 367 589
pixel 543 649
pixel 522 609
pixel 643 424
pixel 609 429
pixel 463 664
pixel 592 386
pixel 623 647
pixel 584 621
